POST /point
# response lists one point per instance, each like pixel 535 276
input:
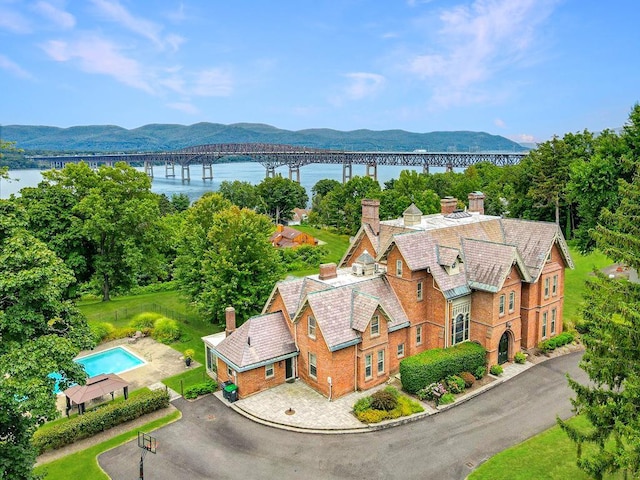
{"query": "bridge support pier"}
pixel 294 169
pixel 271 172
pixel 148 168
pixel 346 172
pixel 372 170
pixel 449 168
pixel 169 169
pixel 425 169
pixel 185 169
pixel 207 171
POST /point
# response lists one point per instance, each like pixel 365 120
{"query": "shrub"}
pixel 372 416
pixel 189 353
pixel 433 365
pixel 393 391
pixel 480 372
pixel 99 420
pixel 468 378
pixel 363 404
pixel 446 399
pixel 496 370
pixel 455 384
pixel 144 320
pixel 101 331
pixel 551 344
pixel 432 391
pixel 166 330
pixel 520 357
pixel 194 391
pixel 383 400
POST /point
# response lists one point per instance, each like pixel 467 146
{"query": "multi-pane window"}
pixel 311 326
pixel 368 371
pixel 269 371
pixel 399 268
pixel 375 326
pixel 380 362
pixel 553 321
pixel 313 369
pixel 460 321
pixel 419 335
pixel 546 287
pixel 401 350
pixel 554 288
pixel 419 291
pixel 544 325
pixel 501 303
pixel 230 372
pixel 512 301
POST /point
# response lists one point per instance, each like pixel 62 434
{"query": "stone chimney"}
pixel 476 202
pixel 448 205
pixel 328 271
pixel 230 317
pixel 371 214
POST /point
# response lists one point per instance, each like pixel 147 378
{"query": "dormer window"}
pixel 375 326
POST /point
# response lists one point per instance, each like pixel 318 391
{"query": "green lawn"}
pixel 84 464
pixel 549 455
pixel 575 280
pixel 335 244
pixel 191 377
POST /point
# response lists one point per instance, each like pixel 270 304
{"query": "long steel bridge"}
pixel 272 156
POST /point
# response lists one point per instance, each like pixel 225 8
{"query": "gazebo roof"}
pixel 96 387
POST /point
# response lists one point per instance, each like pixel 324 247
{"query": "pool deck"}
pixel 162 362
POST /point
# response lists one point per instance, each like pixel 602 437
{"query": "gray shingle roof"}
pixel 259 340
pixel 488 264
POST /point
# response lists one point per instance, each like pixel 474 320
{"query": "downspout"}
pixel 355 368
pixel 295 341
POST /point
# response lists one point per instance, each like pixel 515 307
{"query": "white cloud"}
pixel 14 22
pixel 362 85
pixel 523 138
pixel 56 15
pixel 113 10
pixel 99 56
pixel 13 68
pixel 214 82
pixel 185 107
pixel 498 122
pixel 478 42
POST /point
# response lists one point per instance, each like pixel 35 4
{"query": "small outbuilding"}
pixel 95 387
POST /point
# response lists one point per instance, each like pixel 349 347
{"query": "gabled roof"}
pixel 363 231
pixel 261 340
pixel 488 264
pixel 447 256
pixel 344 309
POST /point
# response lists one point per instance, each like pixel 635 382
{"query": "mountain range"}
pixel 168 137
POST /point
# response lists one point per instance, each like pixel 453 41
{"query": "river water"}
pixel 251 172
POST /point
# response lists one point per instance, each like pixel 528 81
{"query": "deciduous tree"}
pixel 279 196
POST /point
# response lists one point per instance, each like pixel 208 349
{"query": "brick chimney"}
pixel 476 202
pixel 371 214
pixel 230 317
pixel 328 271
pixel 448 205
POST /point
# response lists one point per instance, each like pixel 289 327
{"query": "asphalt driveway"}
pixel 212 441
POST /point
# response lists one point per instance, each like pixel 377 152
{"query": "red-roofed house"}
pixel 287 237
pixel 404 286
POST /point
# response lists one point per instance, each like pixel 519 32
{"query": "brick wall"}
pixel 252 381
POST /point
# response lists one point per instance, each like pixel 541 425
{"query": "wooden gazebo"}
pixel 95 387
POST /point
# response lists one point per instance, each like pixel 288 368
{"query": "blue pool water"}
pixel 114 360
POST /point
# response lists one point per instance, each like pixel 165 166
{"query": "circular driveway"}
pixel 212 441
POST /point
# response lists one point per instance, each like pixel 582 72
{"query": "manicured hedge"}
pixel 194 391
pixel 430 366
pixel 96 421
pixel 563 339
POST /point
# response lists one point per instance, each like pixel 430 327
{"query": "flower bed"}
pixel 385 404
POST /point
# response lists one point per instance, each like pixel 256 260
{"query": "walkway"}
pixel 297 407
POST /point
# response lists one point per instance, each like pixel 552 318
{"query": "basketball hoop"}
pixel 148 444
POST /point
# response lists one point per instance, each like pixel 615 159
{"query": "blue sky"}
pixel 524 69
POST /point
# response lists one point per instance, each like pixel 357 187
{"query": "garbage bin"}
pixel 230 392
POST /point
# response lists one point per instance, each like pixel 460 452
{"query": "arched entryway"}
pixel 503 348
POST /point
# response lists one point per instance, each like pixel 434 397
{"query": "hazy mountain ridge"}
pixel 166 137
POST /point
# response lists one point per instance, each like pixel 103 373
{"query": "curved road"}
pixel 212 441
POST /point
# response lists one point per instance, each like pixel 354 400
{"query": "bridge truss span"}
pixel 272 156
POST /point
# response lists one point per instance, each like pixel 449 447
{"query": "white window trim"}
pixel 268 367
pixel 419 335
pixel 512 301
pixel 368 363
pixel 379 362
pixel 546 287
pixel 545 316
pixel 398 268
pixel 313 363
pixel 554 318
pixel 420 291
pixel 377 324
pixel 501 304
pixel 400 350
pixel 554 287
pixel 311 332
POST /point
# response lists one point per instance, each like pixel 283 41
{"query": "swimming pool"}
pixel 113 360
